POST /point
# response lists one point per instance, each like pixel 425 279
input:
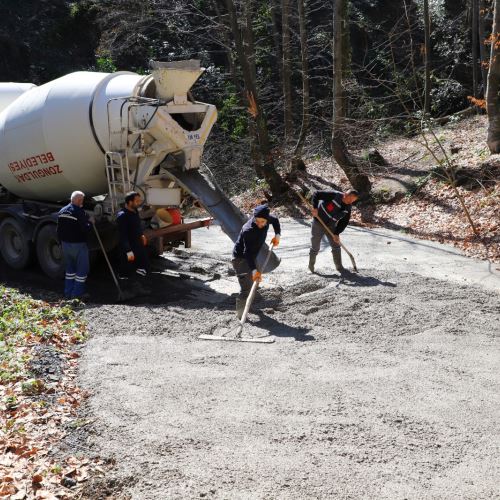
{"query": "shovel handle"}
pixel 107 259
pixel 251 296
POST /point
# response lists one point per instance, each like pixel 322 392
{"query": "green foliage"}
pixel 447 96
pixel 74 9
pixel 232 116
pixel 105 64
pixel 24 320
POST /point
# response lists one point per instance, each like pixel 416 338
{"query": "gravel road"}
pixel 386 386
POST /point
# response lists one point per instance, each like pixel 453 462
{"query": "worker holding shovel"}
pixel 250 240
pixel 333 210
pixel 132 242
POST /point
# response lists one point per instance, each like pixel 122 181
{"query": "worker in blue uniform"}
pixel 73 228
pixel 133 242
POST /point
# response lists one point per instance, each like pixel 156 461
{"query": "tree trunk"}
pixel 286 71
pixel 276 183
pixel 248 36
pixel 357 179
pixel 305 84
pixel 275 13
pixel 493 90
pixel 427 47
pixel 475 27
pixel 249 46
pixel 483 12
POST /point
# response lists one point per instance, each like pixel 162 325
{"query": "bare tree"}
pixel 286 71
pixel 275 13
pixel 297 153
pixel 483 23
pixel 493 90
pixel 475 28
pixel 243 44
pixel 341 154
pixel 427 51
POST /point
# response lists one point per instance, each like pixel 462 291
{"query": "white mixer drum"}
pixel 9 92
pixel 53 137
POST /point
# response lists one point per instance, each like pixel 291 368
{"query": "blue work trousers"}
pixel 76 260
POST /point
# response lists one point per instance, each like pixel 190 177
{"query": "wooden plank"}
pixel 178 228
pixel 258 340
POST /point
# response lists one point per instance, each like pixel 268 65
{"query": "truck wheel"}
pixel 14 246
pixel 49 252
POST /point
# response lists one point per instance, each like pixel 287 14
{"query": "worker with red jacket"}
pixel 334 209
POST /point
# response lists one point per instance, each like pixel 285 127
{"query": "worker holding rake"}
pixel 250 240
pixel 333 208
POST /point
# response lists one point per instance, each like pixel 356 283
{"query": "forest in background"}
pixel 294 81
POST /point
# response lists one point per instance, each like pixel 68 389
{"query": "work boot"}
pixel 337 260
pixel 240 307
pixel 312 262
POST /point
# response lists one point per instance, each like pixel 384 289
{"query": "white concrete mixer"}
pixel 53 138
pixel 104 134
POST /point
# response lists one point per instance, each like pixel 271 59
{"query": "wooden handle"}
pixel 107 259
pixel 253 291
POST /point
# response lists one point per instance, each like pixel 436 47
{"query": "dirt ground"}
pixel 386 386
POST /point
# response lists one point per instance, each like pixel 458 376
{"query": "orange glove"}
pixel 130 256
pixel 256 276
pixel 144 241
pixel 276 240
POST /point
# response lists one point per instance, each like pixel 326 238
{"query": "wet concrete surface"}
pixel 385 386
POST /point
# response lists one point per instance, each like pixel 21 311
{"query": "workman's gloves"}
pixel 130 256
pixel 144 241
pixel 276 240
pixel 256 276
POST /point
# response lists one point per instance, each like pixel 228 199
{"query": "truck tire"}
pixel 15 247
pixel 49 252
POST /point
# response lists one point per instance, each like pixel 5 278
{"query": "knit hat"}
pixel 261 211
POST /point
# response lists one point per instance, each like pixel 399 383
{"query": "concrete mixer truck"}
pixel 105 134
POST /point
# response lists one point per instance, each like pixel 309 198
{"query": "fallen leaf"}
pixel 7 489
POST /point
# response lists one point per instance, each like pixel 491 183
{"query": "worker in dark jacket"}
pixel 250 240
pixel 133 254
pixel 334 209
pixel 73 227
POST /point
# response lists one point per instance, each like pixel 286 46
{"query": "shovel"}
pixel 121 294
pixel 236 332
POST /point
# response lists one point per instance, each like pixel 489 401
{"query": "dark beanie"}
pixel 261 211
